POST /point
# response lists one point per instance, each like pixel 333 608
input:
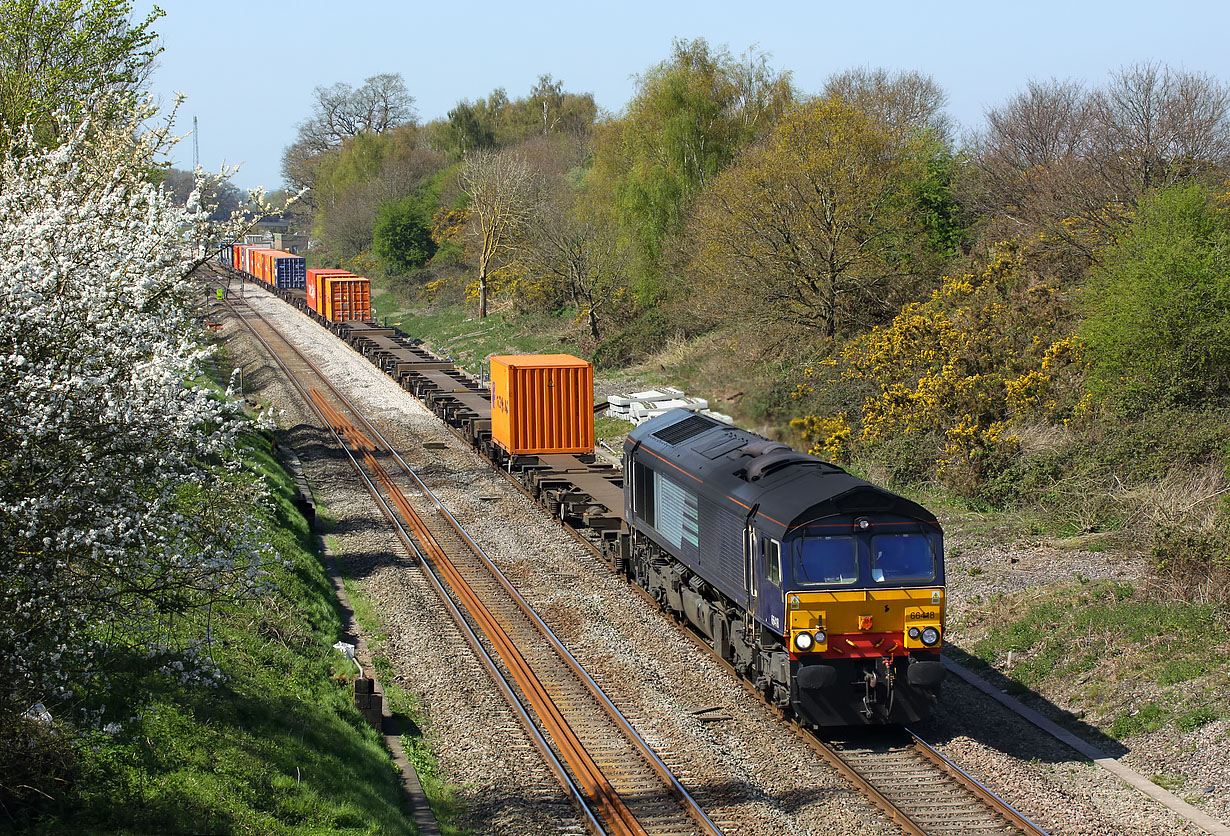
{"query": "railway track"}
pixel 921 790
pixel 617 781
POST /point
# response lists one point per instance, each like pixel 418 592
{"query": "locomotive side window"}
pixel 901 557
pixel 772 561
pixel 642 493
pixel 825 560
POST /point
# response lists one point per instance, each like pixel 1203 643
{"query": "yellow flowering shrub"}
pixel 952 373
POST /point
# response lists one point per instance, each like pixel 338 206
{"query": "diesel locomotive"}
pixel 823 589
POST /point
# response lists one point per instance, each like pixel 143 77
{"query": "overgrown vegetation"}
pixel 1167 668
pixel 273 745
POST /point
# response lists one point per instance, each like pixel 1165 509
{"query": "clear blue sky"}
pixel 249 68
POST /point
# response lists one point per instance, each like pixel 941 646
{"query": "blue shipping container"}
pixel 290 271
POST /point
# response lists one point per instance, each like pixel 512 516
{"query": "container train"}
pixel 333 295
pixel 824 590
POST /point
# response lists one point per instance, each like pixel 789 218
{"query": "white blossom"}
pixel 118 483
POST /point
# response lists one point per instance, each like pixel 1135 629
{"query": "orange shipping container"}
pixel 346 298
pixel 542 403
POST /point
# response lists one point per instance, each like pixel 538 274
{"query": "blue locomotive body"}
pixel 825 590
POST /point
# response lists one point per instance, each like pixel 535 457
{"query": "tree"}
pixel 904 102
pixel 1158 324
pixel 1066 165
pixel 58 56
pixel 341 112
pixel 805 228
pixel 401 236
pixel 353 181
pixel 1030 158
pixel 498 122
pixel 689 118
pixel 499 187
pixel 1157 126
pixel 571 253
pixel 118 526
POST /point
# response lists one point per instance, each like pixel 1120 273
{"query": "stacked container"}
pixel 542 403
pixel 278 269
pixel 339 295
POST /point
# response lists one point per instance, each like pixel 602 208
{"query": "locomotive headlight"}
pixel 804 641
pixel 914 632
pixel 930 636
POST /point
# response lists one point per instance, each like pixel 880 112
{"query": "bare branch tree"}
pixel 1074 164
pixel 580 254
pixel 1158 126
pixel 500 185
pixel 340 112
pixel 903 101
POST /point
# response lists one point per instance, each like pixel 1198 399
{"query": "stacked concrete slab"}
pixel 641 406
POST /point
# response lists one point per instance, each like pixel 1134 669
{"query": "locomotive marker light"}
pixel 915 633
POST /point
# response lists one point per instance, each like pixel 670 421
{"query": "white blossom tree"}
pixel 118 477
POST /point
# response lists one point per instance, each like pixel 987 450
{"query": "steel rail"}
pixel 594 781
pixel 326 413
pixel 973 785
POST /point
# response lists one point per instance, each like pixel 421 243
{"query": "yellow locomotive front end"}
pixel 865 655
pixel 864 621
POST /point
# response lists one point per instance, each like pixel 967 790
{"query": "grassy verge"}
pixel 276 748
pixel 406 712
pixel 456 333
pixel 1130 663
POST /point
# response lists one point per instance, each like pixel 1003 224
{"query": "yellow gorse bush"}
pixel 957 370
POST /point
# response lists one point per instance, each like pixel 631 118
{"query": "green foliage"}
pixel 1164 644
pixel 274 747
pixel 366 172
pixel 813 227
pixel 690 116
pixel 498 122
pixel 651 329
pixel 1147 718
pixel 936 208
pixel 401 237
pixel 1158 324
pixel 56 55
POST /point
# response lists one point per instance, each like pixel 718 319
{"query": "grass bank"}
pixel 276 748
pixel 1121 658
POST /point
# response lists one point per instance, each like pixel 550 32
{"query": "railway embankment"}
pixel 273 745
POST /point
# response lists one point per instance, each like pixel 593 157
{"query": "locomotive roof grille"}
pixel 689 427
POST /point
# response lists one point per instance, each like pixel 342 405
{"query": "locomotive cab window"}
pixel 825 560
pixel 772 551
pixel 902 557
